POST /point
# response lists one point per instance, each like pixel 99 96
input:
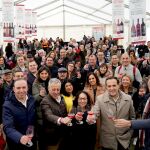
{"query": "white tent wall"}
pixel 77 32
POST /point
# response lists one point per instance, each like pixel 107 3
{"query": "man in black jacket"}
pixel 18 115
pixel 53 69
pixel 31 76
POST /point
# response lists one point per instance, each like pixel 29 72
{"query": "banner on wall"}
pixel 98 32
pixel 8 20
pixel 34 23
pixel 118 19
pixel 20 21
pixel 28 22
pixel 137 21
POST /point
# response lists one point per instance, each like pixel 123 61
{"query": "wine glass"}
pixel 80 113
pixel 91 115
pixel 71 115
pixel 30 133
pixel 110 114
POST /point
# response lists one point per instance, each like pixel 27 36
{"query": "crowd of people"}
pixel 85 95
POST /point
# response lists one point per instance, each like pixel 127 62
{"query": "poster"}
pixel 118 19
pixel 8 20
pixel 98 32
pixel 138 21
pixel 20 21
pixel 34 23
pixel 28 22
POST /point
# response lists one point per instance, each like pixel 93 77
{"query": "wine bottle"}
pixel 138 28
pixel 118 27
pixel 133 29
pixel 143 28
pixel 32 28
pixel 4 30
pixel 121 27
pixel 7 29
pixel 12 30
pixel 26 29
pixel 35 29
pixel 30 32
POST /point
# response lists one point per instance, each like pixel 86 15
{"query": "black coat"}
pixel 53 71
pixel 30 80
pixel 83 136
pixel 16 119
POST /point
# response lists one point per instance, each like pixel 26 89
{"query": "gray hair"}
pixel 54 81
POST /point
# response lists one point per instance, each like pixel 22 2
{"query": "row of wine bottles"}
pixel 8 29
pixel 138 29
pixel 30 29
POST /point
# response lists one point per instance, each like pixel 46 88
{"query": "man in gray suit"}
pixel 110 105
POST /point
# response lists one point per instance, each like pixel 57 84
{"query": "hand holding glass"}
pixel 80 114
pixel 71 115
pixel 91 118
pixel 30 133
pixel 110 114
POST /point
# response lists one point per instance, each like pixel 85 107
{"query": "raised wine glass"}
pixel 30 133
pixel 71 115
pixel 110 114
pixel 80 113
pixel 91 115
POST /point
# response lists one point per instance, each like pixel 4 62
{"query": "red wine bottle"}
pixel 118 27
pixel 138 28
pixel 143 28
pixel 133 29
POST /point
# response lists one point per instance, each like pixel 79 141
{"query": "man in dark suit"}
pixel 55 118
pixel 31 76
pixel 18 115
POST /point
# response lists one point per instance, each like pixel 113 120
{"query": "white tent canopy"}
pixel 74 18
pixel 75 12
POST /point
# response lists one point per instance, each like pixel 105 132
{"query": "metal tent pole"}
pixel 64 23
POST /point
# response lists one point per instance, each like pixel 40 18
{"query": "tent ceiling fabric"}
pixel 77 12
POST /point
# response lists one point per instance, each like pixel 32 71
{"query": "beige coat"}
pixel 89 90
pixel 109 134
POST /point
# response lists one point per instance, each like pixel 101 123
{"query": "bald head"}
pixel 125 59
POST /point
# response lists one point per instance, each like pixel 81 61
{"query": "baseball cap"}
pixel 5 71
pixel 62 69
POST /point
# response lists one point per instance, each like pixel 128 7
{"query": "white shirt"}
pixel 24 102
pixel 58 99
